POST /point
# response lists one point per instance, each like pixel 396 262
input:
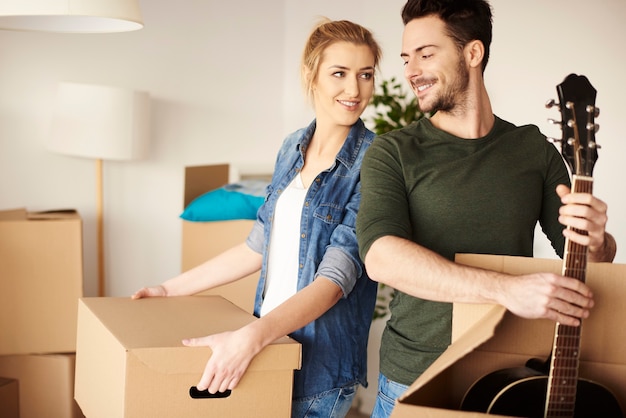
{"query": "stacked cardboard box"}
pixel 9 400
pixel 41 280
pixel 203 240
pixel 46 384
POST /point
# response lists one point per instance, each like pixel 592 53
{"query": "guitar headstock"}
pixel 577 99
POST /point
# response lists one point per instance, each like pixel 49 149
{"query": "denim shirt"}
pixel 334 347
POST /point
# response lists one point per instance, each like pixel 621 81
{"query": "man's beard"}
pixel 452 100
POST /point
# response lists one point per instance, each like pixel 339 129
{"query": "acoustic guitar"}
pixel 552 388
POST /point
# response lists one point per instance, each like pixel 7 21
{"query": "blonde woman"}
pixel 313 285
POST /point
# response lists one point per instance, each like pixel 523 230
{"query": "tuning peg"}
pixel 593 127
pixel 594 110
pixel 594 145
pixel 554 122
pixel 551 103
pixel 553 140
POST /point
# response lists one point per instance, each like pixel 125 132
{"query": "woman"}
pixel 313 285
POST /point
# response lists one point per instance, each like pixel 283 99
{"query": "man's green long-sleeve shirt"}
pixel 453 195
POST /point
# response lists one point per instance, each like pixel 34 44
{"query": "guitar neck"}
pixel 563 377
pixel 575 255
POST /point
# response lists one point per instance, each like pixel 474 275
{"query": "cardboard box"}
pixel 489 338
pixel 46 384
pixel 41 279
pixel 204 240
pixel 9 398
pixel 131 362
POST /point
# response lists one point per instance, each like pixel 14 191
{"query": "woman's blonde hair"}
pixel 325 34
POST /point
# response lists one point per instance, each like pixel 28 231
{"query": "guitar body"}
pixel 521 391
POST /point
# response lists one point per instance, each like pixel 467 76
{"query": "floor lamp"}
pixel 102 123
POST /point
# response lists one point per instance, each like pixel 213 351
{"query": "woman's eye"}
pixel 338 74
pixel 367 76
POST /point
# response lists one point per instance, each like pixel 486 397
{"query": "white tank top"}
pixel 282 266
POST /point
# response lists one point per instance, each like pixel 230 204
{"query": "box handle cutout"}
pixel 205 394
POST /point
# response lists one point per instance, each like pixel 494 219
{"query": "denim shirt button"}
pixel 303 236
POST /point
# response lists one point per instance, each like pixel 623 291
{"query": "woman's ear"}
pixel 474 53
pixel 306 73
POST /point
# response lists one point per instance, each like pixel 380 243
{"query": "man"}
pixel 463 181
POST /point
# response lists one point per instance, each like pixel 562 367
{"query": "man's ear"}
pixel 474 53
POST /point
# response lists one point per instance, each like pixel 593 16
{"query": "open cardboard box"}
pixel 203 240
pixel 130 361
pixel 488 338
pixel 41 279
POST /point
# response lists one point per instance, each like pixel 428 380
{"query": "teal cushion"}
pixel 233 201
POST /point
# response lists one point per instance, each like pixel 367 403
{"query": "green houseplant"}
pixel 393 110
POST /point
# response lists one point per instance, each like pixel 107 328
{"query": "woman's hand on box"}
pixel 232 353
pixel 150 292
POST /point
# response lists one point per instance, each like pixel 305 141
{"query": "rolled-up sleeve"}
pixel 339 268
pixel 255 238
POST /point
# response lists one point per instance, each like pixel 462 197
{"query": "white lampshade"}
pixel 100 122
pixel 71 16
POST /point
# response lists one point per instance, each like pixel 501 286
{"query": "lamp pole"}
pixel 100 227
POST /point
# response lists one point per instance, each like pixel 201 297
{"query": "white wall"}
pixel 224 84
pixel 214 72
pixel 536 44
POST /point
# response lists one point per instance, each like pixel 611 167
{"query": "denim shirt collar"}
pixel 349 152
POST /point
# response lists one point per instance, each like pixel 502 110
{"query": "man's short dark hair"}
pixel 466 20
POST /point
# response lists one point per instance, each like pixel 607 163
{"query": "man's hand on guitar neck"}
pixel 546 295
pixel 585 212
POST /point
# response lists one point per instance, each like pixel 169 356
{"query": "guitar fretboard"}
pixel 563 377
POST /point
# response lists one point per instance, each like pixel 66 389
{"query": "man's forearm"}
pixel 419 272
